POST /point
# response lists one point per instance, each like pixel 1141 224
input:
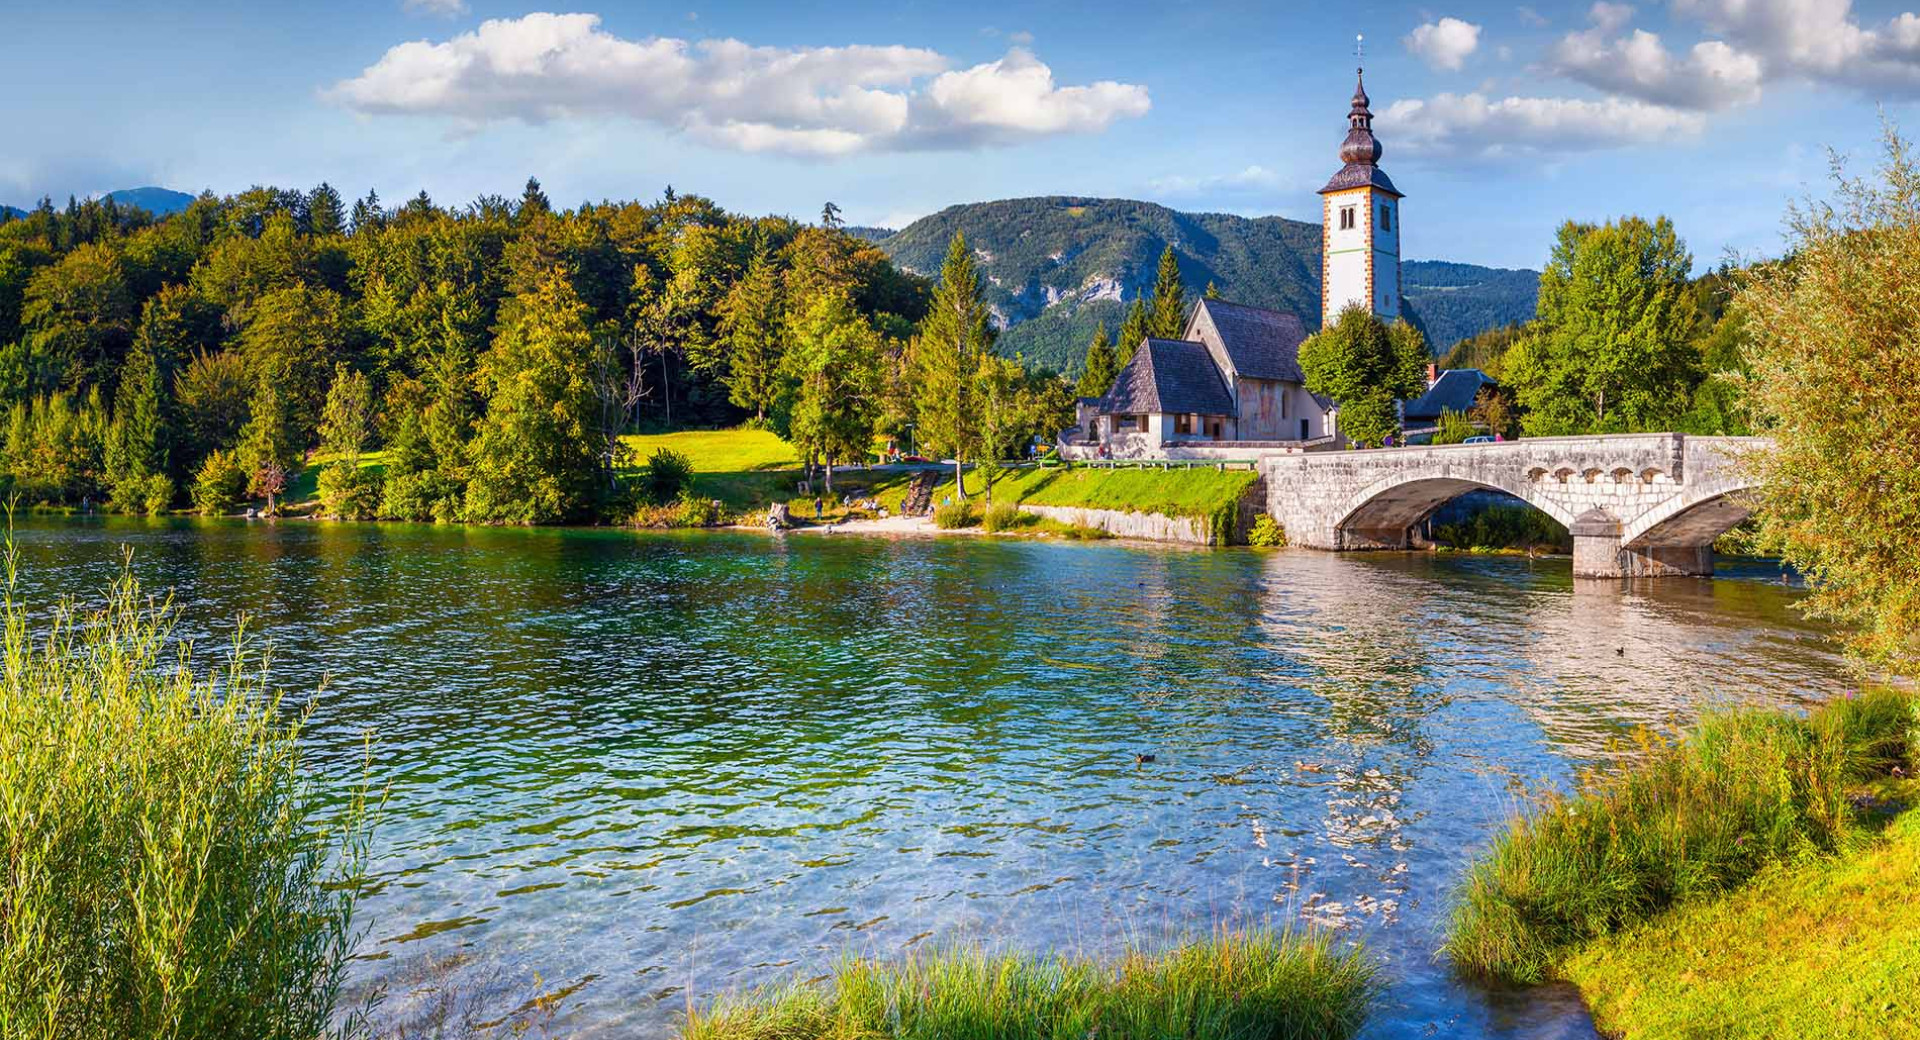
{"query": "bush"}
pixel 668 473
pixel 694 511
pixel 1002 516
pixel 1744 789
pixel 349 491
pixel 421 495
pixel 149 495
pixel 169 873
pixel 159 495
pixel 1453 427
pixel 955 516
pixel 1266 533
pixel 220 486
pixel 1232 987
pixel 1504 527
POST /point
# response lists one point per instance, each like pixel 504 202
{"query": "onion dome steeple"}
pixel 1360 145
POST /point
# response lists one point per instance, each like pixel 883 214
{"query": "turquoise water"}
pixel 643 769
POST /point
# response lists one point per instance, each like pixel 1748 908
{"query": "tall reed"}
pixel 1688 819
pixel 170 871
pixel 1253 986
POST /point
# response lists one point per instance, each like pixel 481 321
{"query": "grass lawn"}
pixel 1209 494
pixel 1827 947
pixel 304 488
pixel 740 450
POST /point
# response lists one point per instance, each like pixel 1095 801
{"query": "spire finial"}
pixel 1360 52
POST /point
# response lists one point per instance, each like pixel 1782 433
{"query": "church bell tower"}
pixel 1360 224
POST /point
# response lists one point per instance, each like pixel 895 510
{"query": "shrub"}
pixel 1266 533
pixel 169 872
pixel 159 495
pixel 668 473
pixel 349 491
pixel 1744 789
pixel 1504 527
pixel 694 511
pixel 955 515
pixel 1232 987
pixel 421 495
pixel 220 486
pixel 1002 516
pixel 1453 427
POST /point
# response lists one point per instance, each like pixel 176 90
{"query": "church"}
pixel 1233 380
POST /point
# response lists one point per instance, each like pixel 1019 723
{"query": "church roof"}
pixel 1361 175
pixel 1454 391
pixel 1169 376
pixel 1261 343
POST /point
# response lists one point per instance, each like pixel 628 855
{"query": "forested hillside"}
pixel 1058 266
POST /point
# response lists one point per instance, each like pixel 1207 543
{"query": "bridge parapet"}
pixel 1635 503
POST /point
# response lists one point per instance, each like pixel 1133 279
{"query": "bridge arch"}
pixel 1382 514
pixel 1688 519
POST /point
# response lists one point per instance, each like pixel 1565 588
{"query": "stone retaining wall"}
pixel 1153 527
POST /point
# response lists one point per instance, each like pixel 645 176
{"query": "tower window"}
pixel 1346 218
pixel 1386 217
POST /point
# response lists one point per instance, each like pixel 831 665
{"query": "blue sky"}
pixel 1499 120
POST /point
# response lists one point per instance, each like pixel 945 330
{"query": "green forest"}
pixel 493 354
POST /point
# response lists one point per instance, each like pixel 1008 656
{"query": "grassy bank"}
pixel 1208 494
pixel 1826 947
pixel 1744 792
pixel 1230 987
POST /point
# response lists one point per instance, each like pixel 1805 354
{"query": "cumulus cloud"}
pixel 1473 124
pixel 817 101
pixel 1711 76
pixel 1820 40
pixel 1251 180
pixel 1444 44
pixel 443 8
pixel 1608 18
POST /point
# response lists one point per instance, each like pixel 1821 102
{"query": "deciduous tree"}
pixel 1366 367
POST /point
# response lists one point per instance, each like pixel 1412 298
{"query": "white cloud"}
pixel 1711 76
pixel 442 8
pixel 819 101
pixel 1609 18
pixel 1444 44
pixel 1251 180
pixel 1820 40
pixel 1471 124
pixel 1530 17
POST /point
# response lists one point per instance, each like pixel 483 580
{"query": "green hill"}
pixel 1059 265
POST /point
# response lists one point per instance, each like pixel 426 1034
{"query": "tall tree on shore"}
pixel 534 460
pixel 533 202
pixel 1612 350
pixel 269 449
pixel 325 212
pixel 1167 314
pixel 833 362
pixel 750 326
pixel 1132 330
pixel 1096 378
pixel 1365 366
pixel 947 356
pixel 1836 385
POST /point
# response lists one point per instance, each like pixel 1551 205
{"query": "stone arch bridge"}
pixel 1636 504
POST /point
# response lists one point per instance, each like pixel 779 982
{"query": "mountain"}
pixel 1057 266
pixel 157 201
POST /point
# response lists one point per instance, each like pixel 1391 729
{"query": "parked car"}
pixel 1479 439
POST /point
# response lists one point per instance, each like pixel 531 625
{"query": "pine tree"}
pixel 136 447
pixel 750 326
pixel 1132 331
pixel 1167 314
pixel 952 339
pixel 267 450
pixel 830 217
pixel 346 419
pixel 535 459
pixel 533 201
pixel 1101 368
pixel 367 215
pixel 1213 291
pixel 324 216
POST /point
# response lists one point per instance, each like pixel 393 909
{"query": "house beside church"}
pixel 1232 381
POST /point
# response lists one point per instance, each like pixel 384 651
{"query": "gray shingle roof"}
pixel 1261 343
pixel 1361 175
pixel 1455 391
pixel 1169 376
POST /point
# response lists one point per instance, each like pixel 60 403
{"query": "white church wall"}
pixel 1347 250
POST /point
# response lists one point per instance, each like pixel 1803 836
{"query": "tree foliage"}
pixel 947 360
pixel 1612 350
pixel 1102 366
pixel 1167 313
pixel 1366 367
pixel 834 364
pixel 1835 355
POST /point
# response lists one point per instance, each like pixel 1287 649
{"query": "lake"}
pixel 645 768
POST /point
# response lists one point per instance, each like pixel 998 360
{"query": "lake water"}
pixel 646 768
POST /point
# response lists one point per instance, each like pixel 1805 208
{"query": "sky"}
pixel 1499 120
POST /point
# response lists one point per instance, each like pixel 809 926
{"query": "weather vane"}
pixel 1359 48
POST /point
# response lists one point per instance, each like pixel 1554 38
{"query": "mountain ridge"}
pixel 1056 266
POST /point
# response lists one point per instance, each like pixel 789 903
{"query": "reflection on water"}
pixel 650 767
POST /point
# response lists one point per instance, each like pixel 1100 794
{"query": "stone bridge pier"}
pixel 1636 504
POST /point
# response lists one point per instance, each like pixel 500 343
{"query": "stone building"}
pixel 1233 379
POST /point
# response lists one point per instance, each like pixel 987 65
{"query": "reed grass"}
pixel 169 870
pixel 1232 986
pixel 1692 818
